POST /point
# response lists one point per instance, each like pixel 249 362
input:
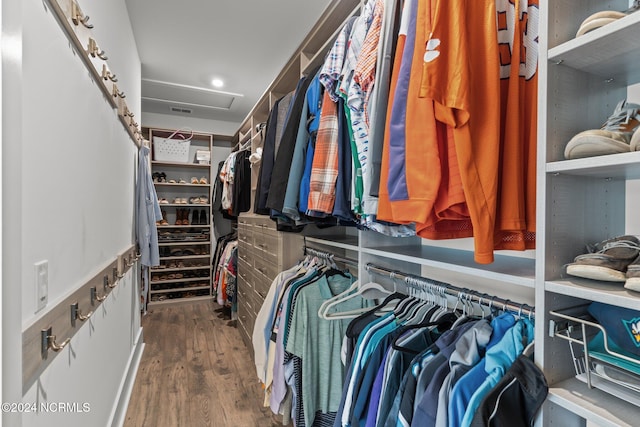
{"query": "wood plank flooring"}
pixel 195 371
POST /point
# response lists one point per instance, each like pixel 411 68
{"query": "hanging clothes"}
pixel 147 212
pixel 297 352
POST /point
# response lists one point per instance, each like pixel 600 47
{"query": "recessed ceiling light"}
pixel 217 83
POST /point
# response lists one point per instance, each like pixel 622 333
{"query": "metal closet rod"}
pixel 418 282
pixel 330 256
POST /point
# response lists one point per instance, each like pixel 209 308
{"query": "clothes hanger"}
pixel 425 308
pixel 396 296
pixel 445 321
pixel 359 290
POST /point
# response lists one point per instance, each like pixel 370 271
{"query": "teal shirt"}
pixel 318 341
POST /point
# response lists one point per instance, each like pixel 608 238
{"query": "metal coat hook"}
pixel 131 260
pixel 108 75
pixel 95 297
pixel 77 17
pixel 95 51
pixel 106 283
pixel 116 93
pixel 48 341
pixel 76 314
pixel 116 275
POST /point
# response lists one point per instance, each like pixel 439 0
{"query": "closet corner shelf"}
pixel 608 293
pixel 621 166
pixel 594 405
pixel 513 270
pixel 610 51
pixel 338 241
pixel 182 165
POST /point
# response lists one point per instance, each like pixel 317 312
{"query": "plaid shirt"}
pixel 365 72
pixel 324 170
pixel 334 61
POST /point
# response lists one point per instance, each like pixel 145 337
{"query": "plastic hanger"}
pixel 358 291
pixel 388 300
pixel 445 322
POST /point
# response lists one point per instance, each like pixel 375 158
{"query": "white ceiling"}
pixel 184 44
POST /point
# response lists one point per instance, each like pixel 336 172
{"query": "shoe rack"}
pixel 581 201
pixel 184 234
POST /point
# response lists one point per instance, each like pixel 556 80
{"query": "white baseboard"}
pixel 119 411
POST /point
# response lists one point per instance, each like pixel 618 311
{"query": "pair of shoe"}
pixel 180 181
pixel 619 134
pixel 612 260
pixel 180 201
pixel 182 216
pixel 199 217
pixel 202 180
pixel 200 200
pixel 159 177
pixel 163 201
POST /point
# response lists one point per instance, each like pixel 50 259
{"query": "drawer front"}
pixel 242 330
pixel 246 253
pixel 267 247
pixel 245 274
pixel 246 306
pixel 264 225
pixel 245 235
pixel 259 296
pixel 261 284
pixel 266 268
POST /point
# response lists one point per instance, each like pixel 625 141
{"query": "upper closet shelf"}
pixel 505 269
pixel 611 51
pixel 338 241
pixel 593 405
pixel 622 166
pixel 182 165
pixel 608 293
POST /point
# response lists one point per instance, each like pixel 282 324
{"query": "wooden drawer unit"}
pixel 263 252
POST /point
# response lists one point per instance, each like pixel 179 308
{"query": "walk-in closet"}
pixel 341 213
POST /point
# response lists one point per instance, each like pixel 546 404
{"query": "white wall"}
pixel 167 121
pixel 78 163
pixel 68 188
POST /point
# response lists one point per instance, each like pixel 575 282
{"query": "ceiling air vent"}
pixel 180 110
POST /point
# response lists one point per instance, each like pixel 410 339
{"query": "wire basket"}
pixel 607 370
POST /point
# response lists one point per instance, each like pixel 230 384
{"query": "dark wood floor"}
pixel 195 371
